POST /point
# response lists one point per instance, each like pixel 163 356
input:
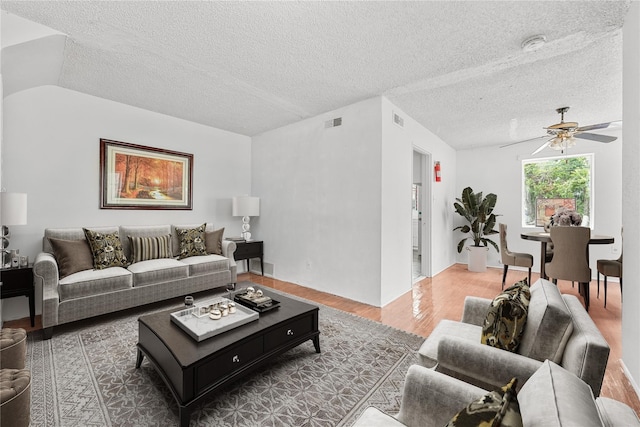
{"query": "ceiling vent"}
pixel 333 123
pixel 398 120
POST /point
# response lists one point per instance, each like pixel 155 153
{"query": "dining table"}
pixel 544 237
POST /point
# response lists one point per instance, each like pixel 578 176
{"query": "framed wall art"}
pixel 138 177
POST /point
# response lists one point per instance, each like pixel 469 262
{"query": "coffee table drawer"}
pixel 288 332
pixel 226 363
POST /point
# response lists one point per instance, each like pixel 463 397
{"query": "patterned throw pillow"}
pixel 213 241
pixel 496 408
pixel 504 325
pixel 106 249
pixel 145 248
pixel 192 242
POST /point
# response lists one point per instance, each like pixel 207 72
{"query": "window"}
pixel 557 182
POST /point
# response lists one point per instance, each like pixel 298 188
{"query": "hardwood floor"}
pixel 442 297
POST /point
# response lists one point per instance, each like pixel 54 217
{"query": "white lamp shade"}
pixel 13 208
pixel 245 206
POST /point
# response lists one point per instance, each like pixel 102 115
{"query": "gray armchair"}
pixel 558 328
pixel 552 397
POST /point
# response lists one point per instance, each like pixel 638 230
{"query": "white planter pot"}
pixel 477 258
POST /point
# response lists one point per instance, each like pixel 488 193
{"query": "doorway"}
pixel 420 216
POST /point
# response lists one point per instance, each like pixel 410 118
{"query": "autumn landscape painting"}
pixel 138 177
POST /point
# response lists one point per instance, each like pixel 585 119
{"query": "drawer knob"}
pixel 289 332
pixel 235 359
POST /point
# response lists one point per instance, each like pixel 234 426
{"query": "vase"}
pixel 477 258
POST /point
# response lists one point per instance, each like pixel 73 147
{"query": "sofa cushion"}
pixel 192 242
pixel 554 396
pixel 213 241
pixel 94 282
pixel 496 408
pixel 506 318
pixel 549 324
pixel 106 249
pixel 615 414
pixel 206 264
pixel 157 271
pixel 72 256
pixel 146 248
pixel 428 351
pixel 141 231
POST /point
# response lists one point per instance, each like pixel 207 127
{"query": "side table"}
pixel 18 281
pixel 248 250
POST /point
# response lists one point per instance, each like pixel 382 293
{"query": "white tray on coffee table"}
pixel 200 327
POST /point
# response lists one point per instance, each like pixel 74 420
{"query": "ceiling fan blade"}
pixel 524 140
pixel 542 147
pixel 606 125
pixel 595 137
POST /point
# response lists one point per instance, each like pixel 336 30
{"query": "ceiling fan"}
pixel 563 135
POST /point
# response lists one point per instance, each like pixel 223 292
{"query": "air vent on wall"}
pixel 398 120
pixel 333 123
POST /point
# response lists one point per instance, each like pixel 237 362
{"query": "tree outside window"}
pixel 567 177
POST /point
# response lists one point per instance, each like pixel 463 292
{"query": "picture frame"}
pixel 545 208
pixel 138 177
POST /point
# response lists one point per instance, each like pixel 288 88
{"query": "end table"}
pixel 18 281
pixel 248 250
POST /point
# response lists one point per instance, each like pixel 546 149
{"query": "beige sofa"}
pixel 94 292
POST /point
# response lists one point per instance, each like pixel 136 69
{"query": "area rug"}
pixel 86 376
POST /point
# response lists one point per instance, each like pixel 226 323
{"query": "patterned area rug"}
pixel 86 376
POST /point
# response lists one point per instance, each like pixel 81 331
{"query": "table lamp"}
pixel 13 211
pixel 245 206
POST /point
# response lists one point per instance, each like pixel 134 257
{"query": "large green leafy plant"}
pixel 478 211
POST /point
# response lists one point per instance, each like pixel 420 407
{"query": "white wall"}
pixel 499 170
pixel 336 203
pixel 320 201
pixel 51 152
pixel 631 194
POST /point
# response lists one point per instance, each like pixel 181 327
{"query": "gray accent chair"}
pixel 558 328
pixel 552 397
pixel 517 259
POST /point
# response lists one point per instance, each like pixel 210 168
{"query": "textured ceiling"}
pixel 248 67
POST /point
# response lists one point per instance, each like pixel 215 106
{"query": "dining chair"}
pixel 517 259
pixel 611 268
pixel 571 257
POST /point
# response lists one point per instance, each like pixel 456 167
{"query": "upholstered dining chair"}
pixel 611 268
pixel 517 259
pixel 571 257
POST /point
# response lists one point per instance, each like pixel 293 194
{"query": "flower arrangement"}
pixel 565 217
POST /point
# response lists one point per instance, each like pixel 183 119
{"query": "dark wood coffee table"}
pixel 195 370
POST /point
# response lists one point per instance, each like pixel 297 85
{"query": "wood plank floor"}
pixel 442 297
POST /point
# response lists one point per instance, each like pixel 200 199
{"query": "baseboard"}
pixel 630 378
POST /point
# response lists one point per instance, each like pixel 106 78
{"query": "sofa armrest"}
pixel 228 248
pixel 475 310
pixel 483 365
pixel 614 413
pixel 432 399
pixel 45 273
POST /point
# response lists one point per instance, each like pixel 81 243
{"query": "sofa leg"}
pixel 48 332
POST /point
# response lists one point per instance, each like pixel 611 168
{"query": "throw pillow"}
pixel 504 325
pixel 213 241
pixel 72 256
pixel 496 408
pixel 192 241
pixel 146 248
pixel 106 249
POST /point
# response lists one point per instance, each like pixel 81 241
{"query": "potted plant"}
pixel 478 212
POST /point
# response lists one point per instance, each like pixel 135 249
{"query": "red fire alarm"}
pixel 437 171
